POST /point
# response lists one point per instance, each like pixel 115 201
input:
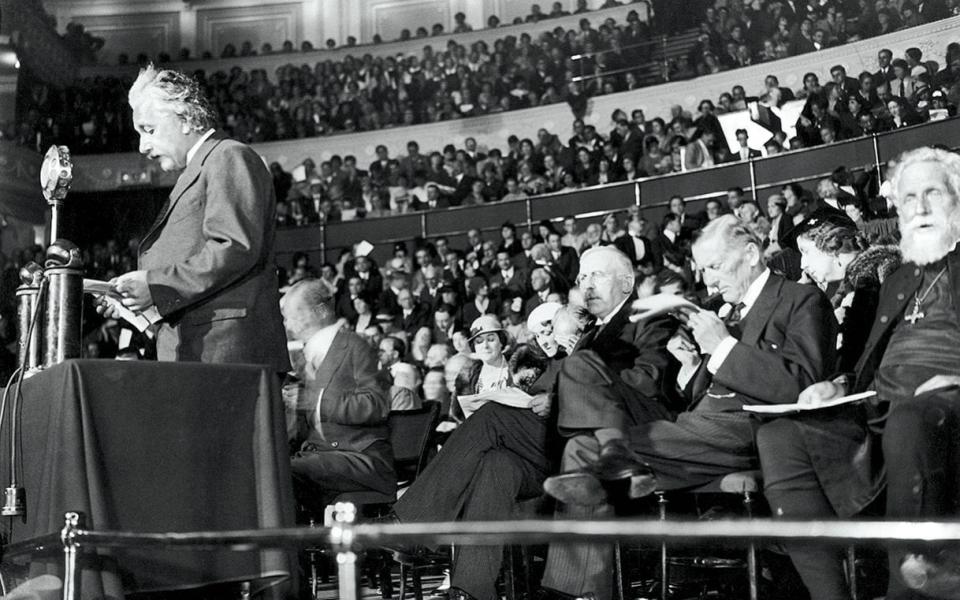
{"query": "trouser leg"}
pixel 439 492
pixel 578 569
pixel 922 457
pixel 501 480
pixel 791 488
pixel 319 477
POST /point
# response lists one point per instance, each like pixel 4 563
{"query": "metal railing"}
pixel 346 538
pixel 650 194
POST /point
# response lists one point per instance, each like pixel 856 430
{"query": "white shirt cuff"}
pixel 720 353
pixel 316 411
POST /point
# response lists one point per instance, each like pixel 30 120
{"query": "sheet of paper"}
pixel 659 304
pixel 363 248
pixel 510 396
pixel 105 290
pixel 780 409
pixel 136 320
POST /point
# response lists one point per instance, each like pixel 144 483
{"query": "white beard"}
pixel 925 246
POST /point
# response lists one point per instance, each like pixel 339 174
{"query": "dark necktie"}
pixel 732 321
pixel 589 337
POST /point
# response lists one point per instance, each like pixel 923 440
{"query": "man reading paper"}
pixel 206 264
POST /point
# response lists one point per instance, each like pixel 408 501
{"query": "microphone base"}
pixel 14 502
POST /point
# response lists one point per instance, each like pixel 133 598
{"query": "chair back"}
pixel 410 435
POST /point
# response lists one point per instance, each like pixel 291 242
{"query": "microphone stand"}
pixel 56 174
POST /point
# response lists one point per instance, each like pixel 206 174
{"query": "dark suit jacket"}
pixel 210 264
pixel 355 404
pixel 932 10
pixel 461 189
pixel 623 369
pixel 568 265
pixel 896 295
pixel 344 308
pixel 420 317
pixel 788 342
pixel 663 249
pixel 516 286
pixel 883 76
pixel 625 244
pixel 471 313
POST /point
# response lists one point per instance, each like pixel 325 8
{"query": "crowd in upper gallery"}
pixel 363 92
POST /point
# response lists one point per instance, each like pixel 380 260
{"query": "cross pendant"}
pixel 916 315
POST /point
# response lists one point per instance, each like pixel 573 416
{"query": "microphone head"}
pixel 63 253
pixel 31 273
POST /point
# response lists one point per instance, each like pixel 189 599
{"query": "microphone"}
pixel 63 253
pixel 31 274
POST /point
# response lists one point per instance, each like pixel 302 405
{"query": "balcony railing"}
pixel 759 178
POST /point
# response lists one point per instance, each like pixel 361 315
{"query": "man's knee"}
pixel 776 436
pixel 910 423
pixel 579 452
pixel 501 465
pixel 301 464
pixel 586 367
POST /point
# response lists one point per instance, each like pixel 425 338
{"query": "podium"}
pixel 155 447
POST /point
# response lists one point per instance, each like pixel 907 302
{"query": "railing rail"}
pixel 755 176
pixel 345 537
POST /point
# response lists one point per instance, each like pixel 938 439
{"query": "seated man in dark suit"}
pixel 667 248
pixel 911 359
pixel 341 408
pixel 496 457
pixel 411 314
pixel 634 245
pixel 344 305
pixel 564 258
pixel 778 338
pixel 509 281
pixel 614 379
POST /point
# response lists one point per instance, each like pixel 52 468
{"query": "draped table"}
pixel 154 447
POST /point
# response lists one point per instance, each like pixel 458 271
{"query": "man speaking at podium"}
pixel 206 264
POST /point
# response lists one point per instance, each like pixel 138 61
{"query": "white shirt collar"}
pixel 317 347
pixel 753 292
pixel 608 318
pixel 193 151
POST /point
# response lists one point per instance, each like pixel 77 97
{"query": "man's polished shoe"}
pixel 577 487
pixel 412 554
pixel 545 593
pixel 617 461
pixel 937 576
pixel 584 488
pixel 458 594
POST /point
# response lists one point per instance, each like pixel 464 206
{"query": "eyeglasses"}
pixel 594 276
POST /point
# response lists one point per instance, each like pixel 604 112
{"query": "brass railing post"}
pixel 69 539
pixel 341 538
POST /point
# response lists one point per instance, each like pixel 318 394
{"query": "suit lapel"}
pixel 761 311
pixel 953 268
pixel 331 362
pixel 186 179
pixel 615 327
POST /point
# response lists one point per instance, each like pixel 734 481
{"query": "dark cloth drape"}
pixel 155 447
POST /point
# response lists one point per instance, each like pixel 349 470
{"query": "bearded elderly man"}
pixel 779 338
pixel 206 264
pixel 912 360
